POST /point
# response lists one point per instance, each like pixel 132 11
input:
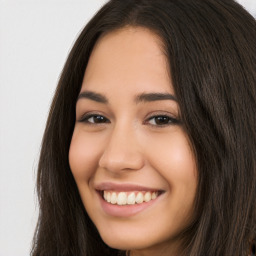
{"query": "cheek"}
pixel 173 157
pixel 175 162
pixel 84 154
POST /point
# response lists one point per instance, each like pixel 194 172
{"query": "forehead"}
pixel 126 57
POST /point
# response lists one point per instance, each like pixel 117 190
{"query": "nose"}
pixel 122 151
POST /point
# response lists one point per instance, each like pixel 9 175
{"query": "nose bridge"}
pixel 122 151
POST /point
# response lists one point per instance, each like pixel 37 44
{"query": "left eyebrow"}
pixel 92 96
pixel 148 97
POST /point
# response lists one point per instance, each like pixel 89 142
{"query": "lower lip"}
pixel 125 210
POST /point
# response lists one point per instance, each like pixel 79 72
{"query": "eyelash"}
pixel 162 118
pixel 86 117
pixel 102 120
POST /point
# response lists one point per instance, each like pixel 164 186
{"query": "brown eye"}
pixel 162 120
pixel 94 119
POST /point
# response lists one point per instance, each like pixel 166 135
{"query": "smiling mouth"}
pixel 129 197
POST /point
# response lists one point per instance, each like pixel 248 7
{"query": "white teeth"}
pixel 121 198
pixel 105 195
pixel 139 198
pixel 147 197
pixel 154 195
pixel 131 198
pixel 108 197
pixel 113 198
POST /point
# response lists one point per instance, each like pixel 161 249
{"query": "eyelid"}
pixel 174 120
pixel 84 118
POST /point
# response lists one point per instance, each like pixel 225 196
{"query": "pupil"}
pixel 98 119
pixel 162 120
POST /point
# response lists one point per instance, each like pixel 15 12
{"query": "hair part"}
pixel 211 52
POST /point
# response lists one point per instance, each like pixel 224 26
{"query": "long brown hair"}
pixel 210 46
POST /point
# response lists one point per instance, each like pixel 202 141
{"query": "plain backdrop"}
pixel 35 38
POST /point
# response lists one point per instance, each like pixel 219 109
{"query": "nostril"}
pixel 121 161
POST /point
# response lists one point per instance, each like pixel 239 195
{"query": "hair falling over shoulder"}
pixel 210 46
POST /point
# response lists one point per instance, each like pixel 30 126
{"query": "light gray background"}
pixel 35 38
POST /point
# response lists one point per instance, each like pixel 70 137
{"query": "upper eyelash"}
pixel 85 118
pixel 173 120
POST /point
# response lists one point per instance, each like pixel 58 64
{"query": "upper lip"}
pixel 123 187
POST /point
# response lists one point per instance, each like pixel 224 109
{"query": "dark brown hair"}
pixel 210 46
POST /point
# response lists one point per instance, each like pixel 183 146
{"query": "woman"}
pixel 150 143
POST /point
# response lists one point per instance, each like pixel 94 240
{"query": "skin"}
pixel 129 145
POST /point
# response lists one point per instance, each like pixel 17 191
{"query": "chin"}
pixel 126 243
pixel 134 239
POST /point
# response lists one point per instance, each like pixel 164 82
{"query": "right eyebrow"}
pixel 92 96
pixel 149 97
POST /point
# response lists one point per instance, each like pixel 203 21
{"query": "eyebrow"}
pixel 92 96
pixel 148 97
pixel 143 97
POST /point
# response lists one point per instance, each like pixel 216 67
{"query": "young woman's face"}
pixel 130 157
